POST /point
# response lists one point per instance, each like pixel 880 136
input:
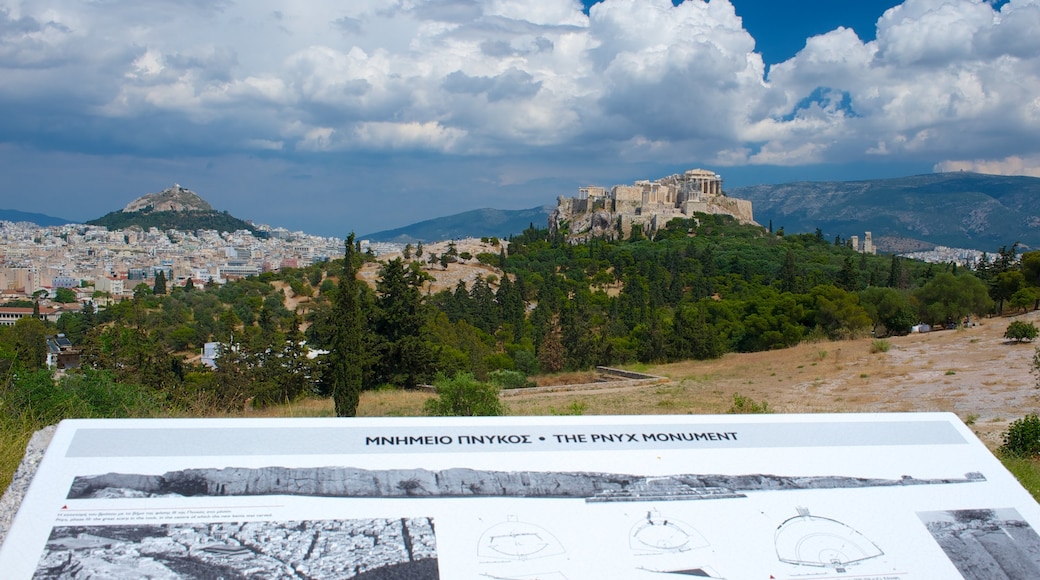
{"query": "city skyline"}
pixel 330 118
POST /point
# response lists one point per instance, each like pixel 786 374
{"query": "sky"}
pixel 329 117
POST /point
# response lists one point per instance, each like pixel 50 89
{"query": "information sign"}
pixel 874 496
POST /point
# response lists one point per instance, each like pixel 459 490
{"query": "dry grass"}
pixel 972 372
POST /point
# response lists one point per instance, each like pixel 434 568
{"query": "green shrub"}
pixel 1022 438
pixel 879 345
pixel 747 406
pixel 499 361
pixel 506 379
pixel 463 395
pixel 1019 331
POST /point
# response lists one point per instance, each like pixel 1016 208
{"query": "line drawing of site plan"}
pixel 808 540
pixel 513 547
pixel 656 534
pixel 665 545
pixel 513 540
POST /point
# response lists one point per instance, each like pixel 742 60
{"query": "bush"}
pixel 1019 331
pixel 747 406
pixel 463 395
pixel 879 345
pixel 1022 438
pixel 499 361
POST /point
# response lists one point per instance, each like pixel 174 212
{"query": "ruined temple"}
pixel 598 212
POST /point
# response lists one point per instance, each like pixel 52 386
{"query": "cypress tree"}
pixel 345 370
pixel 160 283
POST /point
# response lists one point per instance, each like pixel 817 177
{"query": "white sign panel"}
pixel 882 497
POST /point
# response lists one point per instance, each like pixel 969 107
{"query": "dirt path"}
pixel 973 372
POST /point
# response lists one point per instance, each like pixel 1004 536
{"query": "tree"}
pixel 29 341
pixel 789 272
pixel 345 375
pixel 692 336
pixel 64 295
pixel 889 309
pixel 838 312
pixel 160 283
pixel 848 277
pixel 947 298
pixel 407 356
pixel 463 395
pixel 551 354
pixel 1024 298
pixel 1019 331
pixel 896 276
pixel 1004 286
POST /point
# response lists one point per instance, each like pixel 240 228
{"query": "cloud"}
pixel 934 84
pixel 1012 165
pixel 513 84
pixel 630 83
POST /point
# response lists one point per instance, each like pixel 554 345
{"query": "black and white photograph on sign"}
pixel 362 549
pixel 465 482
pixel 987 544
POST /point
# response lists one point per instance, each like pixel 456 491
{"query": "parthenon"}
pixel 649 204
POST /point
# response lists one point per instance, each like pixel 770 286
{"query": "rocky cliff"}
pixel 174 198
pixel 174 208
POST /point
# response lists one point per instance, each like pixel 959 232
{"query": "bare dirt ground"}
pixel 973 372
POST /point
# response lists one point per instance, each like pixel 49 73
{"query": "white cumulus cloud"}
pixel 632 80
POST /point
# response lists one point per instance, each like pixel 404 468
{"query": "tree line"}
pixel 702 287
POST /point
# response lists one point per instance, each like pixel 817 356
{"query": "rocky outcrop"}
pixel 174 198
pixel 647 206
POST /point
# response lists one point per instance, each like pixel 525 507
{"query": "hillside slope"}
pixel 478 223
pixel 963 209
pixel 13 215
pixel 174 208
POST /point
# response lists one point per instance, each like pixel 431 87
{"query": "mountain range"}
pixel 961 210
pixel 478 223
pixel 13 215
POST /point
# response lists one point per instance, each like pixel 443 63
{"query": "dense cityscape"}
pixel 99 265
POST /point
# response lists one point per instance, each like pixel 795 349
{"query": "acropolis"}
pixel 598 212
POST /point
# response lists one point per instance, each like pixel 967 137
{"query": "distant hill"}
pixel 478 223
pixel 963 210
pixel 173 208
pixel 13 215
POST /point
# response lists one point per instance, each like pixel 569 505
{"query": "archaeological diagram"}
pixel 513 540
pixel 510 549
pixel 808 540
pixel 666 545
pixel 657 534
